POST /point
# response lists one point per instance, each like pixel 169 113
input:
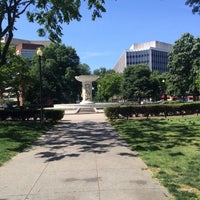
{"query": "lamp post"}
pixel 40 54
pixel 164 90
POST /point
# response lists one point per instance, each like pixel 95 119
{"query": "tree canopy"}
pixel 102 71
pixel 109 85
pixel 60 65
pixel 84 69
pixel 195 4
pixel 14 75
pixel 136 82
pixel 50 15
pixel 184 65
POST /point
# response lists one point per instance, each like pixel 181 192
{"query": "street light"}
pixel 40 54
pixel 164 90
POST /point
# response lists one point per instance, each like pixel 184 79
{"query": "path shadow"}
pixel 69 139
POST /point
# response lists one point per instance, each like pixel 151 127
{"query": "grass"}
pixel 17 136
pixel 171 149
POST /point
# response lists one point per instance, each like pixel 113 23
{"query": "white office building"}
pixel 154 54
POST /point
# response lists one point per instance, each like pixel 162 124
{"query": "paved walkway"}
pixel 82 158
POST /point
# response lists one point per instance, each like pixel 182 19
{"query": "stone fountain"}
pixel 86 87
pixel 86 105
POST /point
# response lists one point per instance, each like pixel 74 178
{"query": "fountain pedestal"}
pixel 86 105
pixel 86 87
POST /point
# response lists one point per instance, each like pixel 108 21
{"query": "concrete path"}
pixel 82 158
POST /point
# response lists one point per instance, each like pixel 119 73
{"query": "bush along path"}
pixel 165 110
pixel 31 114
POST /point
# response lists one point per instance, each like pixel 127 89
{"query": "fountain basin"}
pixel 87 108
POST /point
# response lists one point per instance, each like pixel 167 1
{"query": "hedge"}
pixel 152 110
pixel 31 114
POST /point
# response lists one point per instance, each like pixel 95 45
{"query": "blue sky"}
pixel 100 43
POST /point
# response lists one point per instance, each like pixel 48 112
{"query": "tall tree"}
pixel 195 4
pixel 84 69
pixel 197 81
pixel 183 68
pixel 159 84
pixel 60 66
pixel 109 86
pixel 136 82
pixel 14 74
pixel 50 15
pixel 102 71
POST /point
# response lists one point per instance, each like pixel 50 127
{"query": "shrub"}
pixel 126 111
pixel 153 110
pixel 31 114
pixel 3 115
pixel 112 112
pixel 53 115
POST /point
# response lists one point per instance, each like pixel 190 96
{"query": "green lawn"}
pixel 171 149
pixel 16 136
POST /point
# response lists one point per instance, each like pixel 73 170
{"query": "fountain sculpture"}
pixel 86 105
pixel 86 87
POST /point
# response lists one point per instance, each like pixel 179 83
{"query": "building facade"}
pixel 154 54
pixel 26 48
